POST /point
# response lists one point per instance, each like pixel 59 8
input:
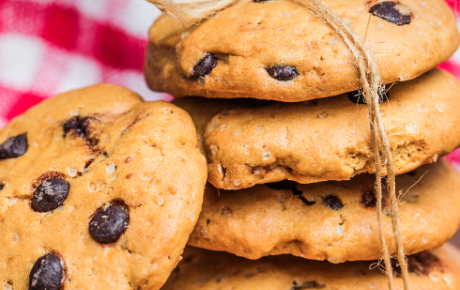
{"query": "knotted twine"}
pixel 191 12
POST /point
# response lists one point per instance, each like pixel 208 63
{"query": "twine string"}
pixel 193 11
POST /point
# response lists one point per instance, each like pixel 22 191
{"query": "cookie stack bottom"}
pixel 202 269
pixel 282 158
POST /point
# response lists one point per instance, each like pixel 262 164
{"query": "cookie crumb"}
pixel 266 155
pixel 410 128
pixel 339 230
pixel 72 172
pixel 110 168
pixel 147 177
pixel 421 108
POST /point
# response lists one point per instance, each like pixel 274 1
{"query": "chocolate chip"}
pixel 258 1
pixel 292 186
pixel 50 194
pixel 80 126
pixel 205 66
pixel 107 225
pixel 282 73
pixel 47 273
pixel 2 186
pixel 333 202
pixel 392 12
pixel 307 285
pixel 369 199
pixel 14 147
pixel 357 97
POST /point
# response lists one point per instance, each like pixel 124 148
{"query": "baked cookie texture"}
pixel 333 220
pixel 251 142
pixel 96 154
pixel 206 270
pixel 278 50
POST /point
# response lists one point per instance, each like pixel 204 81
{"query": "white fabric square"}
pixel 20 60
pixel 80 72
pixel 93 8
pixel 138 16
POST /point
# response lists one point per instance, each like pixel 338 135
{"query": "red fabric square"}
pixel 118 49
pixel 61 26
pixel 25 102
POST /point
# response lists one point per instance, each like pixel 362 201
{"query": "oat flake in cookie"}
pixel 104 196
pixel 333 220
pixel 248 143
pixel 207 270
pixel 277 50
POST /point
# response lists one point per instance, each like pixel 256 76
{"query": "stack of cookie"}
pixel 285 130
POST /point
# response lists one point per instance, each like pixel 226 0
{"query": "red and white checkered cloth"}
pixel 51 46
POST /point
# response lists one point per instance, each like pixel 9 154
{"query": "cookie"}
pixel 100 190
pixel 250 142
pixel 332 220
pixel 206 270
pixel 277 50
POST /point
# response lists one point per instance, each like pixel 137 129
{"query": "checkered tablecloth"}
pixel 52 46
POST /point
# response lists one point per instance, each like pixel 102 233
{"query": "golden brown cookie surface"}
pixel 207 270
pixel 249 142
pixel 107 192
pixel 334 220
pixel 278 50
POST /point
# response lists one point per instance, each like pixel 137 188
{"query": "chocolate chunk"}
pixel 282 73
pixel 307 285
pixel 392 12
pixel 2 186
pixel 258 1
pixel 205 66
pixel 108 224
pixel 357 97
pixel 369 200
pixel 292 186
pixel 80 126
pixel 14 147
pixel 50 194
pixel 333 202
pixel 47 273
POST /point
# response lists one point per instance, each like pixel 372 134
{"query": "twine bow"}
pixel 191 12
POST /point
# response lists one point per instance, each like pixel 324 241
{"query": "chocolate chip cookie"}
pixel 100 190
pixel 333 220
pixel 250 142
pixel 278 50
pixel 206 270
